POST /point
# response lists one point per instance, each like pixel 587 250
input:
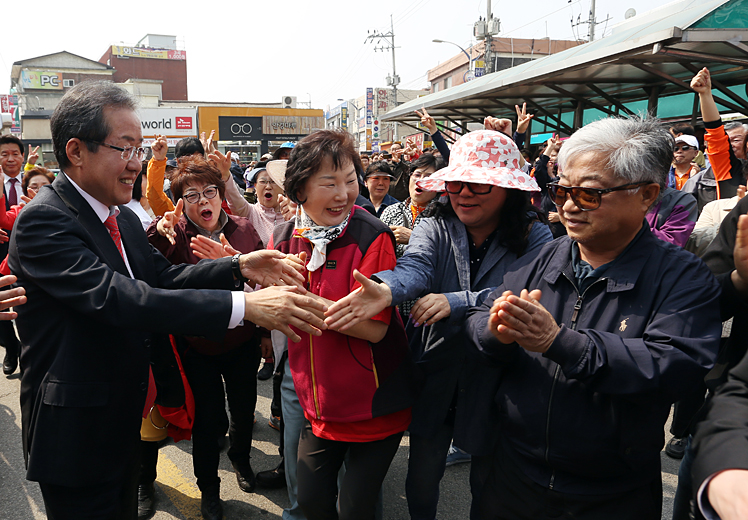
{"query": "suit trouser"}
pixel 8 338
pixel 113 500
pixel 206 375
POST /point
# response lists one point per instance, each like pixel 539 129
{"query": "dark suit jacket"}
pixel 89 329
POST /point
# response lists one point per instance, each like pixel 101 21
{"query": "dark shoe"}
pixel 211 506
pixel 146 501
pixel 676 448
pixel 272 478
pixel 10 363
pixel 275 423
pixel 266 372
pixel 245 477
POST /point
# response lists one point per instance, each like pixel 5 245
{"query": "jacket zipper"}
pixel 311 363
pixel 572 326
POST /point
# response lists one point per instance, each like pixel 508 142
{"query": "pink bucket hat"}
pixel 482 157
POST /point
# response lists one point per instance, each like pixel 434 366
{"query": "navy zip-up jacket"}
pixel 588 415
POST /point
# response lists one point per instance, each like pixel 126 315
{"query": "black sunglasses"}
pixel 455 187
pixel 586 199
pixel 684 148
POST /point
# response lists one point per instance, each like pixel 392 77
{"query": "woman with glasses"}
pixel 199 190
pixel 452 263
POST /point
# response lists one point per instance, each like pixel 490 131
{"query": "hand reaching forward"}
pixel 269 267
pixel 362 304
pixel 203 247
pixel 223 162
pixel 523 320
pixel 278 308
pixel 208 145
pixel 168 222
pixel 430 309
pixel 727 494
pixel 10 298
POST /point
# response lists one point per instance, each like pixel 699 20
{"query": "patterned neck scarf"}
pixel 319 236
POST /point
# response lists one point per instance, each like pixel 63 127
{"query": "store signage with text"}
pixel 171 122
pixel 41 80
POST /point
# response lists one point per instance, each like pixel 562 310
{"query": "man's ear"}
pixel 75 152
pixel 649 194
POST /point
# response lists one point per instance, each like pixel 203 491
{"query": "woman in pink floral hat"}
pixel 452 263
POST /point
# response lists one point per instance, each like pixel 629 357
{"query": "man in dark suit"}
pixel 100 299
pixel 11 166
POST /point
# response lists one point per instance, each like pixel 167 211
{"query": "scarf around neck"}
pixel 318 235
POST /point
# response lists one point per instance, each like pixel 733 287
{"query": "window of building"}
pixel 435 87
pixel 447 82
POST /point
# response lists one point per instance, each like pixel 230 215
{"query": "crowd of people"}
pixel 537 316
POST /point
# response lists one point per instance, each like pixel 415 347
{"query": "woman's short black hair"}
pixel 379 166
pixel 308 154
pixel 428 160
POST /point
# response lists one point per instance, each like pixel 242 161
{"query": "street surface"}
pixel 179 498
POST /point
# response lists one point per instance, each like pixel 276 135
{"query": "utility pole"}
pixel 591 22
pixel 393 80
pixel 485 30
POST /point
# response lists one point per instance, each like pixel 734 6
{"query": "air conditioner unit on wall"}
pixel 289 101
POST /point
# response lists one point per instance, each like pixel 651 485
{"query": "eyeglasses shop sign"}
pixel 171 122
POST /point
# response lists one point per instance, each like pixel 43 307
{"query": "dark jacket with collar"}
pixel 588 416
pixel 89 330
pixel 438 261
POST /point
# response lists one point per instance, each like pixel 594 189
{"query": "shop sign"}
pixel 234 128
pixel 170 122
pixel 290 125
pixel 41 80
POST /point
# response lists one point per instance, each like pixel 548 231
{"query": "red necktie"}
pixel 13 195
pixel 111 224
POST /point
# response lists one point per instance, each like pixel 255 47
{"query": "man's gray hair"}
pixel 80 113
pixel 637 150
pixel 733 125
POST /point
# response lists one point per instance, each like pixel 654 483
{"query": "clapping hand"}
pixel 205 248
pixel 522 319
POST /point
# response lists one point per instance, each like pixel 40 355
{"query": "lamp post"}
pixel 470 60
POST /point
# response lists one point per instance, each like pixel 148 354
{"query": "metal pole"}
pixel 489 60
pixel 592 20
pixel 394 73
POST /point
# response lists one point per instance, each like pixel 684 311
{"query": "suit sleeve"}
pixel 721 440
pixel 57 254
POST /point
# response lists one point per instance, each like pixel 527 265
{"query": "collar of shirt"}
pixel 223 219
pixel 102 210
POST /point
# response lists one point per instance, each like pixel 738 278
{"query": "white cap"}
pixel 689 140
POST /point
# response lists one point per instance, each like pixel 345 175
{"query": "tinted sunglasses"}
pixel 586 199
pixel 455 187
pixel 684 148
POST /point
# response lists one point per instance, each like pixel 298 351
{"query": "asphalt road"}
pixel 179 498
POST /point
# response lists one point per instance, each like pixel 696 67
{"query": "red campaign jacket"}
pixel 340 378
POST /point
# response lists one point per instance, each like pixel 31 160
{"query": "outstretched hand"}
pixel 280 308
pixel 203 247
pixel 269 267
pixel 166 226
pixel 360 305
pixel 10 298
pixel 223 162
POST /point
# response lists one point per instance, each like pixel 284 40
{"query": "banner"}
pixel 156 54
pixel 32 79
pixel 369 106
pixel 344 118
pixel 415 140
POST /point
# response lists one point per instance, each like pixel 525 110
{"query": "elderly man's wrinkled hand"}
pixel 524 320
